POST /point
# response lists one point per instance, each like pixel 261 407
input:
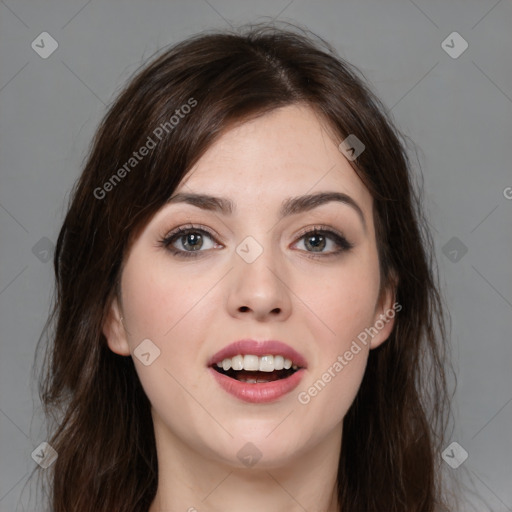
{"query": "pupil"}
pixel 191 240
pixel 318 241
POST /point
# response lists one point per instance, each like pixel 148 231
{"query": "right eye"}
pixel 187 241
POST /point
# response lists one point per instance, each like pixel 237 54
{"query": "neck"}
pixel 189 481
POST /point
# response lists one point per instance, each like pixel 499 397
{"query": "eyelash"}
pixel 167 241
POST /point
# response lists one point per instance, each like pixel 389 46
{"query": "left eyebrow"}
pixel 290 206
pixel 300 204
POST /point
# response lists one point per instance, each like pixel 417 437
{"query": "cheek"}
pixel 343 299
pixel 173 309
pixel 346 306
pixel 158 302
pixel 339 362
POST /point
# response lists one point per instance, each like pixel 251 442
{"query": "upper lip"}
pixel 259 348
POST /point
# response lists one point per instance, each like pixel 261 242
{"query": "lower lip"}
pixel 258 393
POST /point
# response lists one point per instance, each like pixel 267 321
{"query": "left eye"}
pixel 318 240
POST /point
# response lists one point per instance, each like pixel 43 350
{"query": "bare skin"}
pixel 317 299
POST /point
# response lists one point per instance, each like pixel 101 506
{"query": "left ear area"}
pixel 115 332
pixel 384 318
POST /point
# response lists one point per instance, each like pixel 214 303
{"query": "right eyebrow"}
pixel 205 202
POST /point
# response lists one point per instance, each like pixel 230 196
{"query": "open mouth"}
pixel 258 374
pixel 252 369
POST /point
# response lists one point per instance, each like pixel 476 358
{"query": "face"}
pixel 306 276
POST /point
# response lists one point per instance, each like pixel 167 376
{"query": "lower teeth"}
pixel 253 381
pixel 256 377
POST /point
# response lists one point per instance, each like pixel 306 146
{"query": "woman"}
pixel 246 314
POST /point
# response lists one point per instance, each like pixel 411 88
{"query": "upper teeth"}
pixel 254 363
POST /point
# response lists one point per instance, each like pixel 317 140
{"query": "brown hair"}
pixel 104 436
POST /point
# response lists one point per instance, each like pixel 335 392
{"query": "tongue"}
pixel 244 375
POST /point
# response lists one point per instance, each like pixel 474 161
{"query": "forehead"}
pixel 287 152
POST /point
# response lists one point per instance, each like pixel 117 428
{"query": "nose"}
pixel 259 289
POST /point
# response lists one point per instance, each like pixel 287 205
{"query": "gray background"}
pixel 458 111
